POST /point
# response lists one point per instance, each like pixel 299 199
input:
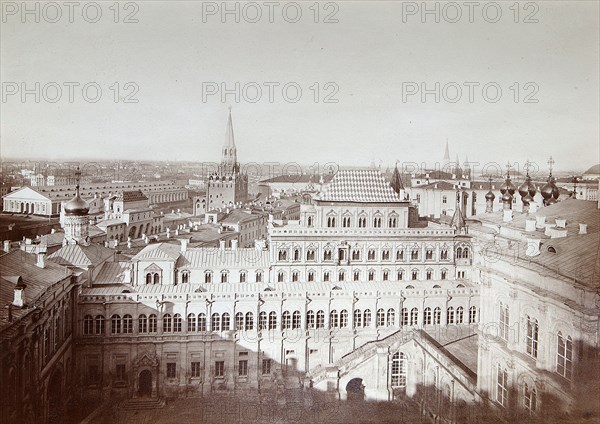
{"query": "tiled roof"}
pixel 359 186
pixel 81 256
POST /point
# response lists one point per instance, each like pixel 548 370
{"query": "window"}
pixel 429 254
pixel 444 254
pixel 272 321
pixel 320 319
pixel 400 255
pixel 239 321
pixel 504 320
pixel 414 316
pixel 224 277
pixel 286 320
pixel 296 254
pixel 444 199
pixel 380 321
pixel 399 370
pixel 392 222
pixel 385 255
pixel 371 255
pixel 334 319
pixel 219 369
pixel 391 318
pixel 280 277
pixel 115 324
pixel 127 324
pixel 191 323
pixel 450 315
pixel 201 322
pixel 532 336
pixel 177 323
pixel 225 322
pixel 283 255
pixel 437 315
pixel 295 276
pixel 356 255
pixel 344 318
pixel 266 366
pixel 326 276
pixel 331 221
pixel 142 324
pixel 310 319
pixel 356 275
pixel 208 277
pixel 427 316
pixel 429 274
pixel 262 320
pixel 171 370
pixel 529 398
pixel 195 370
pixel 367 318
pixel 88 325
pixel 242 277
pixel 386 275
pixel 564 356
pixel 167 323
pixel 243 368
pixel 120 372
pixel 377 222
pixel 341 276
pixel 296 318
pixel 249 321
pixel 414 274
pixel 99 325
pixel 459 315
pixel 310 255
pixel 472 315
pixel 414 254
pixel 400 275
pixel 357 318
pixel 371 275
pixel 311 276
pixel 362 222
pixel 444 274
pixel 346 221
pixel 404 316
pixel 215 322
pixel 501 385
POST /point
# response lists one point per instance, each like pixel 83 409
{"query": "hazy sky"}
pixel 370 55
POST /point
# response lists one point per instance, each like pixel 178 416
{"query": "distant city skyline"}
pixel 372 71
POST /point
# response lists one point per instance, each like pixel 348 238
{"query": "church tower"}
pixel 75 220
pixel 227 187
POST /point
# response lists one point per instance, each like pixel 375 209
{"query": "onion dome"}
pixel 490 196
pixel 506 197
pixel 550 191
pixel 77 206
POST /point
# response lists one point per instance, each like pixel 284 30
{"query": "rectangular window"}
pixel 195 369
pixel 120 372
pixel 93 374
pixel 564 356
pixel 243 368
pixel 532 337
pixel 171 370
pixel 504 321
pixel 266 366
pixel 219 368
pixel 501 386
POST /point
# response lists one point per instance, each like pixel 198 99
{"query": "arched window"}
pixel 225 322
pixel 380 320
pixel 88 325
pixel 444 254
pixel 283 255
pixel 399 370
pixel 156 279
pixel 341 275
pixel 215 322
pixel 356 255
pixel 249 321
pixel 311 276
pixel 400 275
pixel 326 276
pixel 334 319
pixel 437 316
pixel 191 323
pixel 414 254
pixel 127 324
pixel 148 278
pixel 564 356
pixel 344 318
pixel 427 316
pixel 320 319
pixel 185 277
pixel 459 252
pixel 310 221
pixel 414 316
pixel 404 316
pixel 532 336
pixel 385 255
pixel 208 277
pixel 99 325
pixel 201 322
pixel 530 398
pixel 450 315
pixel 460 312
pixel 356 275
pixel 152 322
pixel 242 277
pixel 239 321
pixel 391 318
pixel 472 315
pixel 371 275
pixel 258 277
pixel 357 318
pixel 296 319
pixel 392 222
pixel 414 275
pixel 272 321
pixel 177 323
pixel 310 319
pixel 115 324
pixel 280 277
pixel 224 276
pixel 167 323
pixel 310 255
pixel 296 254
pixel 262 321
pixel 286 320
pixel 400 255
pixel 371 255
pixel 327 255
pixel 367 318
pixel 501 385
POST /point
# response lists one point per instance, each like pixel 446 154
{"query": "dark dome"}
pixel 507 198
pixel 77 206
pixel 527 188
pixel 550 191
pixel 508 186
pixel 490 196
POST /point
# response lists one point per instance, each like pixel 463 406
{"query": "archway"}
pixel 132 231
pixel 55 398
pixel 355 389
pixel 145 383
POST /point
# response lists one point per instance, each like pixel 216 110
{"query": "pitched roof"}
pixel 159 251
pixel 359 186
pixel 207 258
pixel 131 196
pixel 81 256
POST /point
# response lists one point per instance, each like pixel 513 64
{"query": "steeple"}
pixel 458 220
pixel 229 163
pixel 446 154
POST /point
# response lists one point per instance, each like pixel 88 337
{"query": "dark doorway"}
pixel 145 384
pixel 55 398
pixel 355 389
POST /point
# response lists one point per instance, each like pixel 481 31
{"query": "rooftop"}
pixel 359 186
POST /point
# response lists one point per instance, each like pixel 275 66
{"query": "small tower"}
pixel 396 183
pixel 446 159
pixel 458 219
pixel 549 191
pixel 76 222
pixel 489 199
pixel 508 190
pixel 527 190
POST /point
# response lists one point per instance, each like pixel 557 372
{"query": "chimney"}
pixel 184 245
pixel 508 215
pixel 533 247
pixel 6 246
pixel 533 207
pixel 234 244
pixel 582 228
pixel 19 292
pixel 560 222
pixel 530 225
pixel 540 221
pixel 221 244
pixel 41 258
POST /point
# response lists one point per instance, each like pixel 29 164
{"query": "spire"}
pixel 396 181
pixel 458 220
pixel 447 153
pixel 229 139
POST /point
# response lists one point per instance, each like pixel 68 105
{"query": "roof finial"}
pixel 77 179
pixel 508 166
pixel 550 164
pixel 527 166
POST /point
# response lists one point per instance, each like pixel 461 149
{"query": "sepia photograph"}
pixel 303 211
